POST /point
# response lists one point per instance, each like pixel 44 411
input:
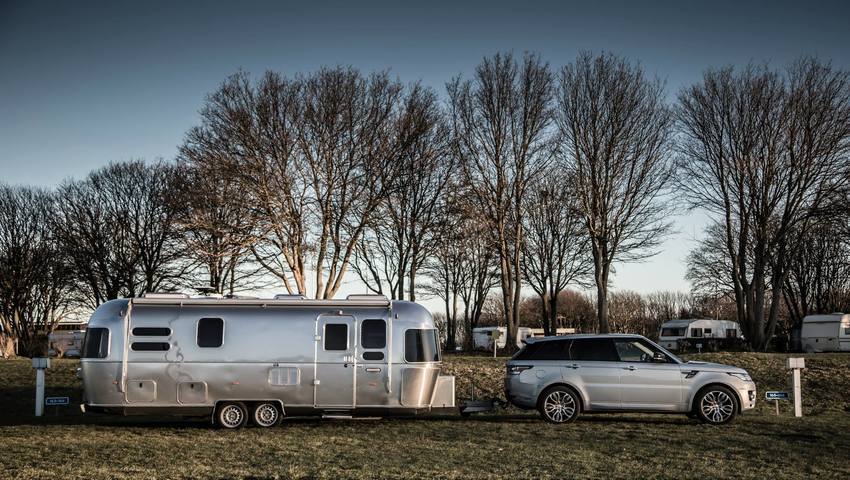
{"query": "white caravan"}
pixel 826 333
pixel 482 337
pixel 694 329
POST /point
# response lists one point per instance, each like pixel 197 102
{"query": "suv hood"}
pixel 713 367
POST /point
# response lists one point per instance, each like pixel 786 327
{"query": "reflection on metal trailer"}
pixel 263 358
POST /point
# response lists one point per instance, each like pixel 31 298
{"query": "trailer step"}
pixel 337 416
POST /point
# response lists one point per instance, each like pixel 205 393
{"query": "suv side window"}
pixel 593 350
pixel 546 350
pixel 636 350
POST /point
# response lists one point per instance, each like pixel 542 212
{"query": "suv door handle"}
pixel 573 366
pixel 630 367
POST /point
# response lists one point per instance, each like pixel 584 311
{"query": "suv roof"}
pixel 583 335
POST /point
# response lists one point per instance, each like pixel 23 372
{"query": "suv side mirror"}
pixel 659 357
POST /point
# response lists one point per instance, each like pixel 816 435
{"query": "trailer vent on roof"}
pixel 165 295
pixel 366 296
pixel 288 296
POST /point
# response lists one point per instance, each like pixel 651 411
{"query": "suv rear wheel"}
pixel 716 405
pixel 559 404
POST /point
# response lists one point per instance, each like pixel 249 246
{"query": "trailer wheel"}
pixel 266 414
pixel 231 415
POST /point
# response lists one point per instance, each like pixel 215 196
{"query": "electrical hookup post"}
pixel 797 364
pixel 40 364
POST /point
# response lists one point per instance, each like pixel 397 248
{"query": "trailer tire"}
pixel 231 415
pixel 265 414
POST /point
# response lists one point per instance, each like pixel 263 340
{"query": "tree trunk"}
pixel 602 306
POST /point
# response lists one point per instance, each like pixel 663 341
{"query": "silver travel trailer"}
pixel 826 333
pixel 262 359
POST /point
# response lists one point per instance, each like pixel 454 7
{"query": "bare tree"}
pixel 250 132
pixel 35 276
pixel 763 151
pixel 217 230
pixel 556 250
pixel 349 149
pixel 818 279
pixel 500 122
pixel 117 225
pixel 616 131
pixel 404 231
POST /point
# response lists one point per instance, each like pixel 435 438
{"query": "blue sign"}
pixel 57 401
pixel 776 395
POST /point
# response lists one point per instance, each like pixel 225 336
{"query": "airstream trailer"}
pixel 826 333
pixel 262 359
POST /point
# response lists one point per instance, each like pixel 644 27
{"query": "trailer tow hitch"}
pixel 471 406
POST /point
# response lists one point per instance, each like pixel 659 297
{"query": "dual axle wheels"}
pixel 232 415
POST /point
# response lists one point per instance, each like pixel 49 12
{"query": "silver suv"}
pixel 564 376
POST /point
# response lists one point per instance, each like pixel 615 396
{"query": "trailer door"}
pixel 336 361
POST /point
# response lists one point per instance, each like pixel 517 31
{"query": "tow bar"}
pixel 471 406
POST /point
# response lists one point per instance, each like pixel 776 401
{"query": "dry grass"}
pixel 507 444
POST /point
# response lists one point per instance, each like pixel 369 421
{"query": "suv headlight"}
pixel 742 376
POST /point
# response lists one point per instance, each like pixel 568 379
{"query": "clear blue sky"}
pixel 85 83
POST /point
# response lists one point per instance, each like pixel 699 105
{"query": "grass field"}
pixel 507 444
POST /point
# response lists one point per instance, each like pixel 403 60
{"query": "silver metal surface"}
pixel 272 350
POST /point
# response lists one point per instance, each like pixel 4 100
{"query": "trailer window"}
pixel 150 346
pixel 421 345
pixel 151 332
pixel 673 332
pixel 373 356
pixel 210 332
pixel 336 336
pixel 373 334
pixel 731 333
pixel 96 343
pixel 696 332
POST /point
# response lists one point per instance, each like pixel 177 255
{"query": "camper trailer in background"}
pixel 241 359
pixel 482 337
pixel 673 331
pixel 66 340
pixel 826 333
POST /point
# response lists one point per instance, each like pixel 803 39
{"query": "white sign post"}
pixel 495 334
pixel 40 364
pixel 797 364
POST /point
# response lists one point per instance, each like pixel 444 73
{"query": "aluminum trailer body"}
pixel 170 354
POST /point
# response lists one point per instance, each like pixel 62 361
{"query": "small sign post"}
pixel 495 334
pixel 40 364
pixel 776 397
pixel 57 401
pixel 797 364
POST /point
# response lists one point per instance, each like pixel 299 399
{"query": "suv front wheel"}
pixel 559 404
pixel 716 405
